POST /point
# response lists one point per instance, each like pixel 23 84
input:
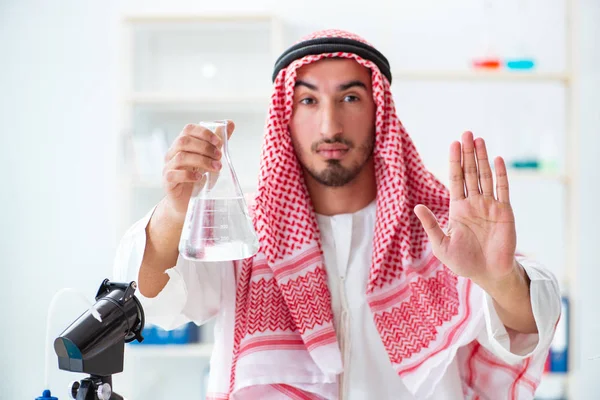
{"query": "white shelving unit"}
pixel 168 82
pixel 179 69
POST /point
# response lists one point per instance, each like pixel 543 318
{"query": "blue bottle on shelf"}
pixel 521 64
pixel 521 59
pixel 559 350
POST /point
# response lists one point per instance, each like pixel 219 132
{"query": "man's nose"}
pixel 330 121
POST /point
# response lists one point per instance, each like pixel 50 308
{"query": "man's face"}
pixel 333 120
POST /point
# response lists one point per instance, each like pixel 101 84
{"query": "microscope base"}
pixel 94 388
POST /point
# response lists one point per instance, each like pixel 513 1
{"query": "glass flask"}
pixel 217 225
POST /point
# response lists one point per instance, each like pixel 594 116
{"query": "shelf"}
pixel 556 375
pixel 181 102
pixel 174 98
pixel 158 97
pixel 196 350
pixel 472 75
pixel 157 185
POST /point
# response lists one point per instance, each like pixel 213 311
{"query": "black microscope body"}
pixel 95 343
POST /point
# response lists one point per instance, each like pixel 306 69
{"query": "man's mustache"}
pixel 334 140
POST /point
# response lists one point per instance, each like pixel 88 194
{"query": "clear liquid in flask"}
pixel 218 230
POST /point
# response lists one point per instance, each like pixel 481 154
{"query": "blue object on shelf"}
pixel 525 164
pixel 559 349
pixel 46 395
pixel 522 64
pixel 185 334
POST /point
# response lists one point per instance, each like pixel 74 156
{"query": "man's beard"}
pixel 335 174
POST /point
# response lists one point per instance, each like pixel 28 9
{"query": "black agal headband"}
pixel 332 45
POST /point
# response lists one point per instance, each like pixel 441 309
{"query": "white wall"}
pixel 58 129
pixel 587 293
pixel 57 166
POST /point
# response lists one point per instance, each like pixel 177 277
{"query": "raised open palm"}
pixel 480 241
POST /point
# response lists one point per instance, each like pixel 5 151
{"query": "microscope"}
pixel 95 343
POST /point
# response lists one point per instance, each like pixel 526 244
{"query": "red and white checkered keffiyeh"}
pixel 285 345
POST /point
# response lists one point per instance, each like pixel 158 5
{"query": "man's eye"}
pixel 307 101
pixel 350 98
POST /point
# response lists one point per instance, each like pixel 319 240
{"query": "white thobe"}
pixel 200 291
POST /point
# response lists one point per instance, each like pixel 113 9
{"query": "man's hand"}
pixel 193 153
pixel 480 241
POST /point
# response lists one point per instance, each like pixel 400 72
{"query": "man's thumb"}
pixel 432 228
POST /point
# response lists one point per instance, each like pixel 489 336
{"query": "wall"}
pixel 57 167
pixel 586 293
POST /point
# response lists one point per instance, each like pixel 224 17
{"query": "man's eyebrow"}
pixel 351 84
pixel 306 84
pixel 341 87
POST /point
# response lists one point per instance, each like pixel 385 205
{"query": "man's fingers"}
pixel 483 165
pixel 191 144
pixel 501 181
pixel 218 132
pixel 202 133
pixel 469 164
pixel 230 128
pixel 199 139
pixel 187 160
pixel 457 183
pixel 432 228
pixel 176 176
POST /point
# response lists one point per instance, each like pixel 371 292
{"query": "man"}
pixel 357 292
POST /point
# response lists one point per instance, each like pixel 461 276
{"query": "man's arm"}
pixel 194 152
pixel 162 240
pixel 512 300
pixel 480 239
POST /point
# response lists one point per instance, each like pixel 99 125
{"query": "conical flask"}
pixel 217 225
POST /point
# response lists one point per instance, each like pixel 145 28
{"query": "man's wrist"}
pixel 166 211
pixel 514 288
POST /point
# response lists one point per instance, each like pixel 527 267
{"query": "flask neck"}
pixel 221 132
